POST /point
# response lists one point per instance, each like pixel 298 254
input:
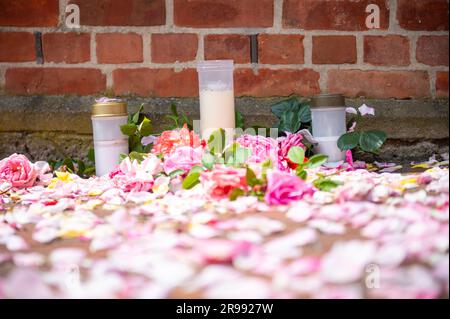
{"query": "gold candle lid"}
pixel 104 108
pixel 328 101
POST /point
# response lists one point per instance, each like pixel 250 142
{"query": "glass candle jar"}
pixel 109 141
pixel 216 97
pixel 328 124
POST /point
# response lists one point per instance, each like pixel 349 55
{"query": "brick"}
pixel 67 47
pixel 387 50
pixel 268 83
pixel 117 48
pixel 442 84
pixel 379 84
pixel 432 50
pixel 169 48
pixel 334 49
pixel 227 46
pixel 29 13
pixel 428 15
pixel 122 13
pixel 156 82
pixel 17 47
pixel 343 15
pixel 281 49
pixel 224 13
pixel 56 81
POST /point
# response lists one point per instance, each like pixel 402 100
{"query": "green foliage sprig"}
pixel 138 126
pixel 292 115
pixel 365 141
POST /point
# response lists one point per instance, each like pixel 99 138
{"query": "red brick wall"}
pixel 150 47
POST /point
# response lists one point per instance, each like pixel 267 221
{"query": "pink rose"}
pixel 286 143
pixel 132 176
pixel 184 158
pixel 18 171
pixel 262 148
pixel 221 181
pixel 283 188
pixel 291 140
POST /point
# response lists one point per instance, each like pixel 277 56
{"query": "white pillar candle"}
pixel 109 141
pixel 217 109
pixel 328 124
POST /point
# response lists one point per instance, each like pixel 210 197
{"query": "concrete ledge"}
pixel 44 127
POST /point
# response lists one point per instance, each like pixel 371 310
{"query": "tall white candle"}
pixel 217 109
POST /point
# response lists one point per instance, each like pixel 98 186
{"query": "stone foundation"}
pixel 54 127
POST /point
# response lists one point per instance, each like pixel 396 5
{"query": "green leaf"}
pixel 208 161
pixel 326 184
pixel 173 109
pixel 191 181
pixel 239 120
pixel 129 129
pixel 137 115
pixel 196 169
pixel 146 127
pixel 235 193
pixel 91 155
pixel 304 113
pixel 81 167
pixel 176 173
pixel 371 141
pixel 284 106
pixel 216 142
pixel 317 160
pixel 348 141
pixel 290 122
pixel 137 156
pixel 296 155
pixel 89 171
pixel 251 178
pixel 241 155
pixel 68 162
pixel 302 173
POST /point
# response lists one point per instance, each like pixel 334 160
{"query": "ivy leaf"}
pixel 191 181
pixel 326 184
pixel 235 193
pixel 296 155
pixel 317 160
pixel 371 141
pixel 129 129
pixel 146 127
pixel 251 178
pixel 348 141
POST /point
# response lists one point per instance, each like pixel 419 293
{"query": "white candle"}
pixel 217 109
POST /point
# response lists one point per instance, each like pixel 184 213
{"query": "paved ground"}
pixel 377 236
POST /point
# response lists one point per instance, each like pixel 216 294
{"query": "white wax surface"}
pixel 216 111
pixel 328 146
pixel 107 155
